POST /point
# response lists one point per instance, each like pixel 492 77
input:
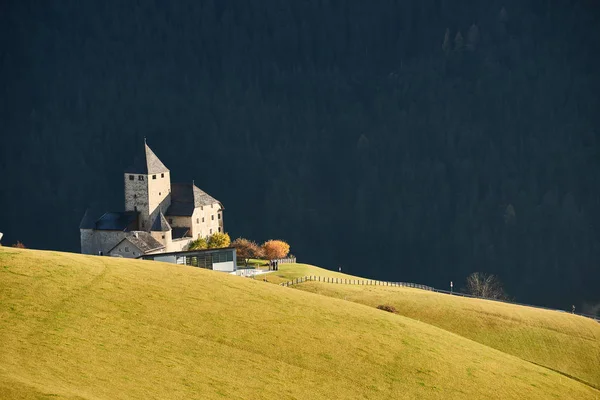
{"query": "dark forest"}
pixel 416 141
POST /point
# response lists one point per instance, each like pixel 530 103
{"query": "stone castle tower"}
pixel 158 217
pixel 147 188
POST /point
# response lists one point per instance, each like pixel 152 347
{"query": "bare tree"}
pixel 483 285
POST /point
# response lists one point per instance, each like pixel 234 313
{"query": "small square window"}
pixel 162 175
pixel 163 236
pixel 141 178
pixel 153 176
pixel 131 177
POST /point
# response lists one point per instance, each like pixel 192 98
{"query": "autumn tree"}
pixel 19 245
pixel 275 249
pixel 485 285
pixel 247 249
pixel 218 240
pixel 198 244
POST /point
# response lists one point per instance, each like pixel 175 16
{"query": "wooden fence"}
pixel 359 282
pixel 286 260
pixel 370 282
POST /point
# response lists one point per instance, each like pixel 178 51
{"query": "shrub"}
pixel 19 245
pixel 275 249
pixel 388 308
pixel 218 240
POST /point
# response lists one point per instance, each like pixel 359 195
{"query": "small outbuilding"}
pixel 216 259
pixel 135 245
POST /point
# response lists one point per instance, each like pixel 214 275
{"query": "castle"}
pixel 159 216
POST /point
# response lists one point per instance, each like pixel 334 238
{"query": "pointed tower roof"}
pixel 160 224
pixel 88 221
pixel 149 164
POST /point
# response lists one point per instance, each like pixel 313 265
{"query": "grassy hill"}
pixel 560 341
pixel 85 327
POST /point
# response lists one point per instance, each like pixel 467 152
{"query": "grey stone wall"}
pixel 93 241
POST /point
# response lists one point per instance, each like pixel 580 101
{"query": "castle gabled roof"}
pixel 117 221
pixel 160 224
pixel 185 197
pixel 147 165
pixel 143 241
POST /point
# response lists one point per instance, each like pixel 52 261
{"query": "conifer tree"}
pixel 446 46
pixel 473 37
pixel 459 42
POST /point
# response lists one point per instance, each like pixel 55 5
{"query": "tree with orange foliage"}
pixel 275 249
pixel 19 245
pixel 246 249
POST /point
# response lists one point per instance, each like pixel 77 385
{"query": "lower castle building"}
pixel 159 216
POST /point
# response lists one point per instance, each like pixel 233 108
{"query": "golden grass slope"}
pixel 561 341
pixel 85 327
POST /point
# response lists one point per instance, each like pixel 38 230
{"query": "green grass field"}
pixel 560 341
pixel 85 327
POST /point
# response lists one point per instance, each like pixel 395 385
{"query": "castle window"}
pixel 131 177
pixel 135 196
pixel 141 178
pixel 134 208
pixel 153 176
pixel 212 217
pixel 201 208
pixel 162 175
pixel 159 193
pixel 211 206
pixel 211 231
pixel 219 229
pixel 202 219
pixel 197 220
pixel 170 220
pixel 163 236
pixel 218 216
pixel 127 249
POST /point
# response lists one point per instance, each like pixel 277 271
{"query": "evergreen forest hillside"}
pixel 402 140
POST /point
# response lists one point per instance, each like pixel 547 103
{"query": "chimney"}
pixel 136 234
